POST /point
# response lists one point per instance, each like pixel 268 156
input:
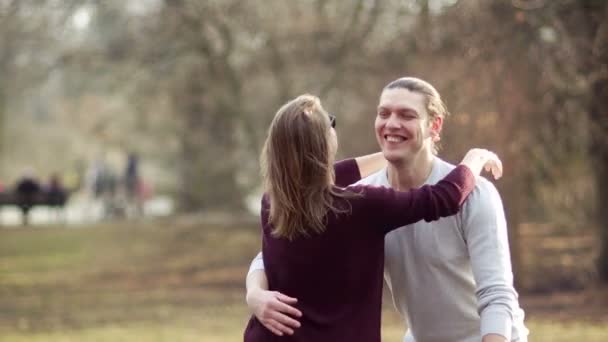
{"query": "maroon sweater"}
pixel 337 275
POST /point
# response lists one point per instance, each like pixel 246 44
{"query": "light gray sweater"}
pixel 451 279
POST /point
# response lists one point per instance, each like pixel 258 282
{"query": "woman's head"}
pixel 297 165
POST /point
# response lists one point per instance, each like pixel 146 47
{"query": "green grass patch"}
pixel 157 282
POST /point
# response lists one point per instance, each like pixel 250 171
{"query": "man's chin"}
pixel 394 158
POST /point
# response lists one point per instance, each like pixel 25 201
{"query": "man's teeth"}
pixel 394 138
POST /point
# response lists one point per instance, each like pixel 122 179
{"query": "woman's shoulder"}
pixel 360 194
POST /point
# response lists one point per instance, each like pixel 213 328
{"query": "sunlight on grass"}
pixel 546 330
pixel 164 282
pixel 227 324
pixel 116 332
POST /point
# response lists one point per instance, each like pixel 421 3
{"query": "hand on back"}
pixel 274 310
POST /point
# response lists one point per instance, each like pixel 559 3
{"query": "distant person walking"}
pixel 132 175
pixel 133 185
pixel 28 192
pixel 56 193
pixel 102 183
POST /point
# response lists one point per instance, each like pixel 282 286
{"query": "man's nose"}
pixel 393 121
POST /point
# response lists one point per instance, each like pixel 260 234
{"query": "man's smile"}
pixel 394 138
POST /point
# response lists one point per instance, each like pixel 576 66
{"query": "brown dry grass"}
pixel 182 280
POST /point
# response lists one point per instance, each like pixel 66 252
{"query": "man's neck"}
pixel 411 174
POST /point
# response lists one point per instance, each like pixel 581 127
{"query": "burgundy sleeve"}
pixel 347 172
pixel 264 222
pixel 388 209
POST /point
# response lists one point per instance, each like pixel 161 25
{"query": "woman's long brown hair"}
pixel 297 166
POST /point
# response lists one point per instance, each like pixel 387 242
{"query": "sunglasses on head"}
pixel 332 120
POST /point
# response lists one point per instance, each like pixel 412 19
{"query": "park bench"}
pixel 25 203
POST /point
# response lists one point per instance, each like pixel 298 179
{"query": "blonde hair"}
pixel 297 167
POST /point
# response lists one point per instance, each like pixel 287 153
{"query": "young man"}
pixel 452 278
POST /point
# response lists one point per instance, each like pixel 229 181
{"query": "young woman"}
pixel 323 241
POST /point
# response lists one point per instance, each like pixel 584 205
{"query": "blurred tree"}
pixel 195 84
pixel 9 33
pixel 538 95
pixel 222 61
pixel 569 54
pixel 28 53
pixel 583 29
pixel 513 88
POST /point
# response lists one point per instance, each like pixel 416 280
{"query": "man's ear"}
pixel 436 125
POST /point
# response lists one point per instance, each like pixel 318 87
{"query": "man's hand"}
pixel 274 310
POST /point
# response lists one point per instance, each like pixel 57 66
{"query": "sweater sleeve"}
pixel 391 209
pixel 485 230
pixel 257 264
pixel 347 172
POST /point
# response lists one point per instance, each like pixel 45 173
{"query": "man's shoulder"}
pixel 482 185
pixel 484 190
pixel 378 179
pixel 483 202
pixel 441 168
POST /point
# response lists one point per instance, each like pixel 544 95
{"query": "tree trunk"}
pixel 595 15
pixel 599 155
pixel 2 109
pixel 207 167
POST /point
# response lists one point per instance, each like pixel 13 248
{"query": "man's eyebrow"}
pixel 407 110
pixel 399 109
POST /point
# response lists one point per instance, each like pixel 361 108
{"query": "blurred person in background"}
pixel 133 186
pixel 451 279
pixel 102 184
pixel 28 192
pixel 56 194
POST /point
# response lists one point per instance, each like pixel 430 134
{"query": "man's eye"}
pixel 408 116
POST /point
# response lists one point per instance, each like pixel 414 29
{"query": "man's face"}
pixel 402 125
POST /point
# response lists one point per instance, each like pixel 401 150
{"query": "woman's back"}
pixel 337 275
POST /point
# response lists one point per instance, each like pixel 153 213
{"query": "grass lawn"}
pixel 178 280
